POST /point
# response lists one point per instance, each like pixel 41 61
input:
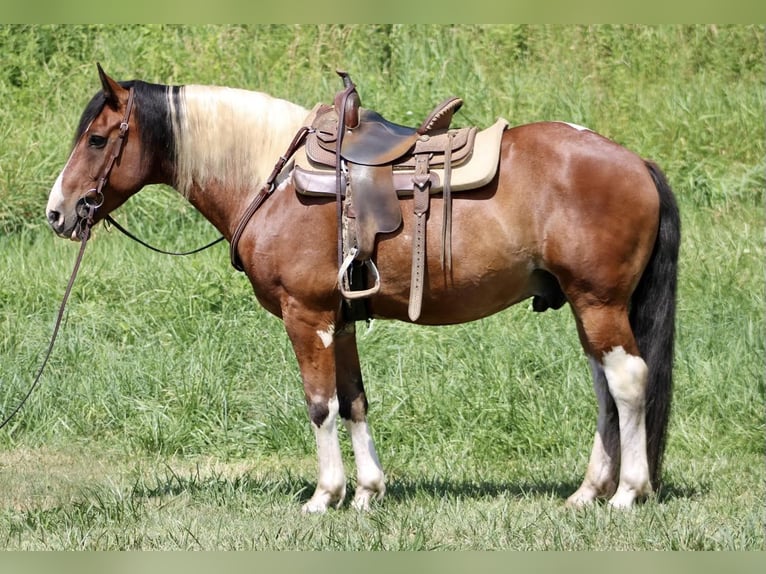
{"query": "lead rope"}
pixel 91 203
pixel 84 236
pixel 87 223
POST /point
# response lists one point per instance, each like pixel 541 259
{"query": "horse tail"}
pixel 652 318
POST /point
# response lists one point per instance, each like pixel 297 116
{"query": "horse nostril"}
pixel 53 218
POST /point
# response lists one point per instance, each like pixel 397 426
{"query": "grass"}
pixel 171 415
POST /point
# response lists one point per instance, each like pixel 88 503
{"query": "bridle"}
pixel 86 212
pixel 94 198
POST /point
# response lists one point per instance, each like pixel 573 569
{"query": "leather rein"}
pixel 86 211
pixel 265 192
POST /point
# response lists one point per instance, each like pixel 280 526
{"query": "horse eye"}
pixel 96 141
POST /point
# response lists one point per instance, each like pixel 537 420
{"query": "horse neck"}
pixel 227 143
pixel 222 206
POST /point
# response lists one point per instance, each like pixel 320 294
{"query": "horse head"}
pixel 105 166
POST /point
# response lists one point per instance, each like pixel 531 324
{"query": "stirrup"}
pixel 345 285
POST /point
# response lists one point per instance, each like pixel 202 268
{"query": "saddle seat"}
pixel 378 141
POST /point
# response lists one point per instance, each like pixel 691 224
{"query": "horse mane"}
pixel 229 135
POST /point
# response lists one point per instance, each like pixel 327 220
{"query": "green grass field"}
pixel 171 414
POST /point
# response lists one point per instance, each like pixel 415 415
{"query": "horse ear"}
pixel 111 88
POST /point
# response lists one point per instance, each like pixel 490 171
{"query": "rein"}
pixel 84 236
pixel 263 195
pixel 102 182
pixel 86 211
pixel 94 199
pixel 127 233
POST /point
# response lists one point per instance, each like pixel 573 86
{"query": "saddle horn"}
pixel 347 101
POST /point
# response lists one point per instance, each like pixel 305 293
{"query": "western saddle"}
pixel 368 162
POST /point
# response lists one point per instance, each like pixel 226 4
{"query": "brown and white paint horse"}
pixel 570 216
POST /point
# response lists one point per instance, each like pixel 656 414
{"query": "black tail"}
pixel 652 317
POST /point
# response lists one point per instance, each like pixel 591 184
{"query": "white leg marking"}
pixel 626 375
pixel 370 483
pixel 327 336
pixel 331 484
pixel 598 477
pixel 590 489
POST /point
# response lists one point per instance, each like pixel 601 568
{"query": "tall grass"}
pixel 689 96
pixel 171 415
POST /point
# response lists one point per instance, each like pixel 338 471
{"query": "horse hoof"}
pixel 313 508
pixel 364 496
pixel 322 500
pixel 625 498
pixel 581 498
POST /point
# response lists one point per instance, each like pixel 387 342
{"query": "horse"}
pixel 570 216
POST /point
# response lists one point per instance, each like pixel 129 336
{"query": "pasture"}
pixel 171 414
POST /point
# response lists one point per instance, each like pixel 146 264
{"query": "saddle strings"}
pixel 349 89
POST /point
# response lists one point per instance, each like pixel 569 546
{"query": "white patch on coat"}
pixel 626 375
pixel 56 196
pixel 579 128
pixel 327 336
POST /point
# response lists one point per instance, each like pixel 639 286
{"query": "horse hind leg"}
pixel 626 375
pixel 601 475
pixel 607 337
pixel 370 484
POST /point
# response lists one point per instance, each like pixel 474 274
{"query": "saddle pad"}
pixel 477 171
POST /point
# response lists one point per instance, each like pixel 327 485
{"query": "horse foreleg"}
pixel 312 343
pixel 370 484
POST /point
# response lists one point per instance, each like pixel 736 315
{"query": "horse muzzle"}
pixel 62 225
pixel 72 226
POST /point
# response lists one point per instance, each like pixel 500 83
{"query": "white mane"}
pixel 230 136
